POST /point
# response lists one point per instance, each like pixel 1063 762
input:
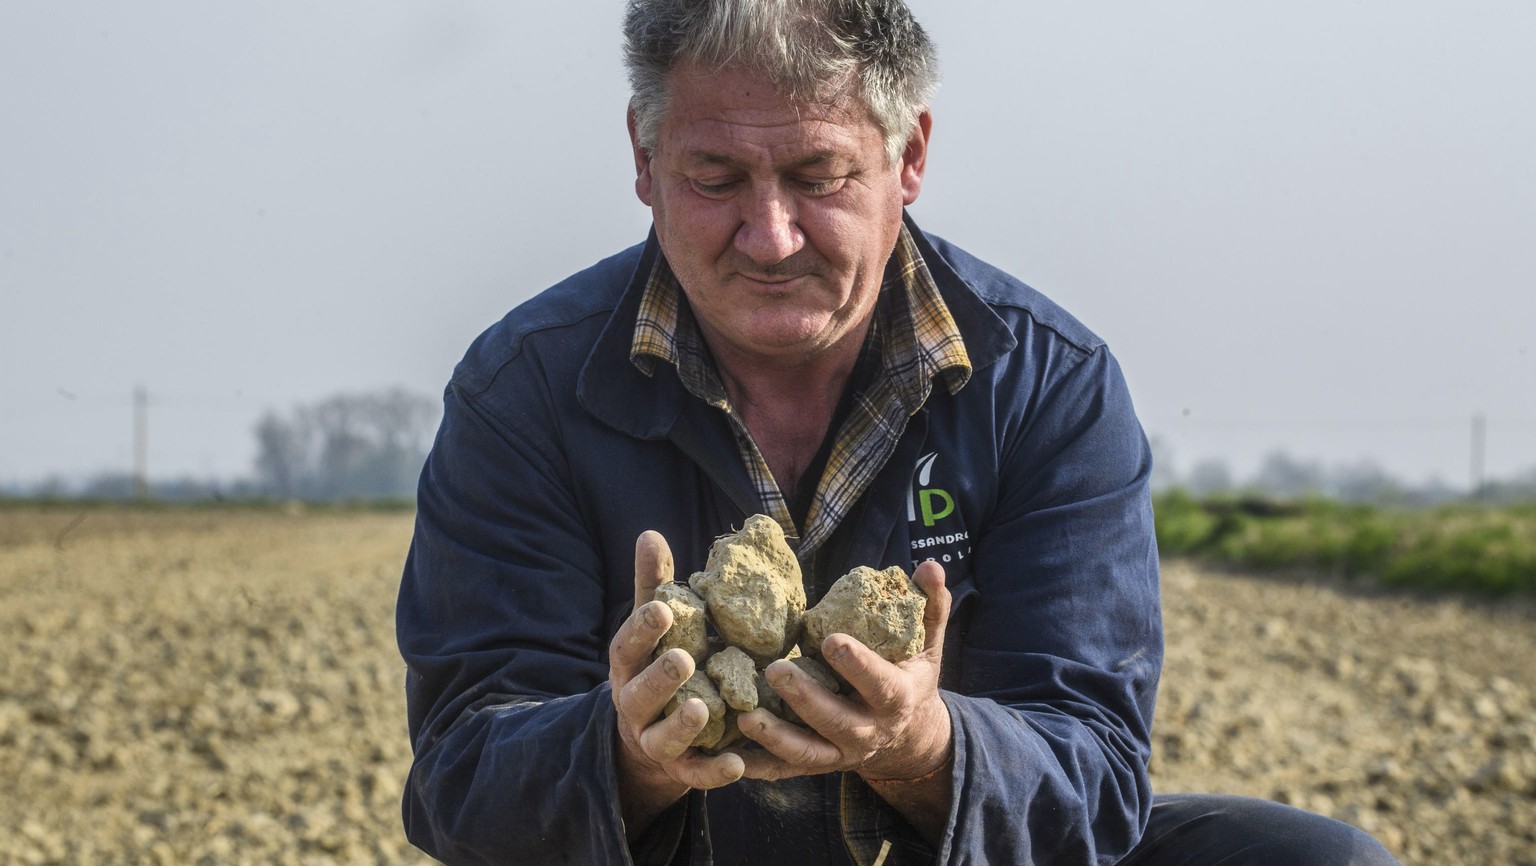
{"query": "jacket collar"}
pixel 987 337
pixel 612 388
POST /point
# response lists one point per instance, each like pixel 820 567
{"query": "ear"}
pixel 642 161
pixel 914 160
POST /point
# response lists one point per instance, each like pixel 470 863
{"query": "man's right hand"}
pixel 656 763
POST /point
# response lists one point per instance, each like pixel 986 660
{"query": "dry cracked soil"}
pixel 221 686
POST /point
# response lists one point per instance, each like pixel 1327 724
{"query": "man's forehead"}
pixel 732 116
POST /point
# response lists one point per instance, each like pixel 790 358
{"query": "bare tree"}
pixel 347 445
pixel 283 459
pixel 1209 478
pixel 1284 476
pixel 1364 481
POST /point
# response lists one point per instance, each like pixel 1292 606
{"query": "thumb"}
pixel 929 578
pixel 653 565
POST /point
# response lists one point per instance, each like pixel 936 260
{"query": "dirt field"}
pixel 222 687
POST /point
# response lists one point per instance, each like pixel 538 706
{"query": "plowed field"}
pixel 222 687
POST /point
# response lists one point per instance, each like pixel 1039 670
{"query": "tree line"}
pixel 371 445
pixel 348 446
pixel 1364 482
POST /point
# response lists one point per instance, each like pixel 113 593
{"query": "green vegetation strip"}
pixel 322 506
pixel 1460 548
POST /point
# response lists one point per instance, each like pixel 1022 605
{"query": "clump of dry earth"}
pixel 222 687
pixel 752 592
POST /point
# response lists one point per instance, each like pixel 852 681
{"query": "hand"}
pixel 895 727
pixel 656 765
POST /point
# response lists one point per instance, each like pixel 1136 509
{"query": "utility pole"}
pixel 141 443
pixel 1479 449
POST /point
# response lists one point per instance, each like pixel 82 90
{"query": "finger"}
pixel 822 710
pixel 641 699
pixel 630 650
pixel 929 577
pixel 653 565
pixel 877 681
pixel 765 766
pixel 790 750
pixel 668 739
pixel 698 770
pixel 669 742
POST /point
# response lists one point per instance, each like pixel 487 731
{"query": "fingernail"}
pixel 648 616
pixel 780 677
pixel 670 666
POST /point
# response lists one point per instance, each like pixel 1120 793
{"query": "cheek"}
pixel 854 246
pixel 857 228
pixel 837 233
pixel 702 227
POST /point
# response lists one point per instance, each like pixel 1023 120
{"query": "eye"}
pixel 713 189
pixel 821 186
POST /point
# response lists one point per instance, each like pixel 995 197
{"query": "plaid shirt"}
pixel 917 342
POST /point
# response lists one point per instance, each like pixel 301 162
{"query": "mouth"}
pixel 773 282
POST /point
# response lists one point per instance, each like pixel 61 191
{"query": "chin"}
pixel 786 330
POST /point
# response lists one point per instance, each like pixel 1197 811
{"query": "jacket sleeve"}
pixel 503 624
pixel 1062 648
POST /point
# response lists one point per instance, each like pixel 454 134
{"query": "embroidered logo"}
pixel 928 497
pixel 938 531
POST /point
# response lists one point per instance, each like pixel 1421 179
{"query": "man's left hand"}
pixel 895 727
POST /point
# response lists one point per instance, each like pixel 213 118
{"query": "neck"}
pixel 788 407
pixel 800 380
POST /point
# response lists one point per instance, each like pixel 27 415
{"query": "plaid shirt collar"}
pixel 917 340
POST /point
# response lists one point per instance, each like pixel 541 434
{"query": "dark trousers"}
pixel 1216 830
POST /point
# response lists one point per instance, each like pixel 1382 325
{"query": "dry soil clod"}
pixel 752 587
pixel 734 674
pixel 702 687
pixel 751 591
pixel 688 630
pixel 767 698
pixel 881 609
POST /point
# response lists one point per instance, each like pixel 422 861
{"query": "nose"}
pixel 770 230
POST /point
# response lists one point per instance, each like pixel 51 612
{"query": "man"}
pixel 788 342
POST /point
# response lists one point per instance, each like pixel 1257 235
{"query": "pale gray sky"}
pixel 1307 225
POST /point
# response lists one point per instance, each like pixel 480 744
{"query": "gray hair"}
pixel 807 48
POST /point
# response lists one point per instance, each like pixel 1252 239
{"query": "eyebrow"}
pixel 820 157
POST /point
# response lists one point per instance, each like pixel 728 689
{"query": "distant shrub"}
pixel 1493 557
pixel 1468 548
pixel 1183 525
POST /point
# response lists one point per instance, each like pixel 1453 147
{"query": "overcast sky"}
pixel 1307 226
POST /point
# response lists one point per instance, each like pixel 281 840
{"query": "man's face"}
pixel 778 219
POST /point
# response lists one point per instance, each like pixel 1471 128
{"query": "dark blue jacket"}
pixel 555 453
